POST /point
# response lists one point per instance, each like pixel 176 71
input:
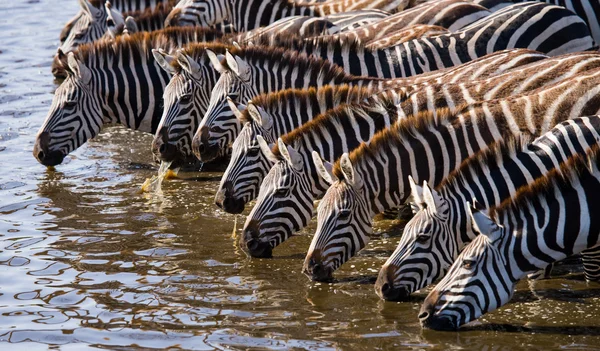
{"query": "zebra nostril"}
pixel 201 147
pixel 317 269
pixel 385 288
pixel 163 148
pixel 41 155
pixel 423 315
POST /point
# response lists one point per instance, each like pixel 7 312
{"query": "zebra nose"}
pixel 423 315
pixel 251 241
pixel 58 65
pixel 384 286
pixel 226 200
pixel 161 147
pixel 316 271
pixel 41 151
pixel 200 142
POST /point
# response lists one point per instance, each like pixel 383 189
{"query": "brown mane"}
pixel 561 176
pixel 373 104
pixel 197 50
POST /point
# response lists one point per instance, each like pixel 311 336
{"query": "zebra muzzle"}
pixel 251 242
pixel 225 200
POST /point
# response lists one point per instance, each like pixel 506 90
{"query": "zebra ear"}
pixel 432 199
pixel 266 149
pixel 188 64
pixel 237 109
pixel 238 66
pixel 290 154
pixel 114 20
pixel 324 168
pixel 89 9
pixel 131 25
pixel 348 170
pixel 260 116
pixel 79 69
pixel 164 60
pixel 482 223
pixel 416 193
pixel 215 61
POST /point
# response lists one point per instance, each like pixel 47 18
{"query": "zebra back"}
pixel 545 222
pixel 373 178
pixel 403 35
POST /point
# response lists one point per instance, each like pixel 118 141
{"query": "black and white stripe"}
pixel 548 221
pixel 374 177
pixel 441 228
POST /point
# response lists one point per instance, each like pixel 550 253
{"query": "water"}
pixel 87 261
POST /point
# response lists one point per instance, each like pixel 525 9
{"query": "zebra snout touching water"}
pixel 545 222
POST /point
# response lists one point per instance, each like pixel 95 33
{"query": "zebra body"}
pixel 428 147
pixel 481 33
pixel 304 185
pixel 242 179
pixel 407 34
pixel 546 222
pixel 110 82
pixel 271 116
pixel 450 14
pixel 441 228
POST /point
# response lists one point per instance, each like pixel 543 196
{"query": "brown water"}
pixel 86 261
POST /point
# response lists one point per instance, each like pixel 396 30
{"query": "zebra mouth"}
pixel 392 293
pixel 437 322
pixel 318 272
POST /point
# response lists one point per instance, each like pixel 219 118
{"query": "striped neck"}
pixel 248 15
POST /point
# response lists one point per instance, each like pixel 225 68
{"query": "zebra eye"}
pixel 253 151
pixel 281 192
pixel 185 97
pixel 468 264
pixel 78 36
pixel 345 213
pixel 422 238
pixel 70 103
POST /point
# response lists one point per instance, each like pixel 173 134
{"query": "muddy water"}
pixel 88 262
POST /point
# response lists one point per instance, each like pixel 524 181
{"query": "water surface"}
pixel 86 261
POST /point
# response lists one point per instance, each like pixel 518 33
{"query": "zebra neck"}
pixel 250 14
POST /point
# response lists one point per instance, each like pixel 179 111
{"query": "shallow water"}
pixel 86 261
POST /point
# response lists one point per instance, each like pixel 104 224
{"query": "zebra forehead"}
pixel 566 174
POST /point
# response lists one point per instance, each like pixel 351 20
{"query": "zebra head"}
pixel 343 224
pixel 185 101
pixel 90 25
pixel 284 204
pixel 75 116
pixel 220 127
pixel 203 13
pixel 425 251
pixel 478 282
pixel 249 163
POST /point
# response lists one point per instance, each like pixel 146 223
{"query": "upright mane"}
pixel 381 103
pixel 564 175
pixel 197 50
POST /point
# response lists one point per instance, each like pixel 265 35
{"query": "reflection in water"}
pixel 86 259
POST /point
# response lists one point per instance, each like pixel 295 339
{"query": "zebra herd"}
pixel 482 114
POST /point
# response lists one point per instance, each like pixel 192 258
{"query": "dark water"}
pixel 88 262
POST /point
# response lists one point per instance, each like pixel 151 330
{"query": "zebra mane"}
pixel 377 104
pixel 495 153
pixel 562 176
pixel 270 101
pixel 158 13
pixel 141 43
pixel 197 50
pixel 314 44
pixel 397 134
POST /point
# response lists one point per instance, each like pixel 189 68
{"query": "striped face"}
pixel 478 282
pixel 74 117
pixel 202 13
pixel 426 250
pixel 246 170
pixel 284 205
pixel 343 229
pixel 184 105
pixel 88 26
pixel 219 127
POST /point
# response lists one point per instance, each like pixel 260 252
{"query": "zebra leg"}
pixel 591 264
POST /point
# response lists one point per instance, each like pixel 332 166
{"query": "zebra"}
pixel 94 23
pixel 544 223
pixel 428 147
pixel 269 116
pixel 110 82
pixel 248 165
pixel 432 240
pixel 218 124
pixel 303 185
pixel 450 14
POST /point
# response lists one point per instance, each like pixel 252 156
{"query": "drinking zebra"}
pixel 373 178
pixel 303 185
pixel 111 82
pixel 214 134
pixel 545 222
pixel 432 240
